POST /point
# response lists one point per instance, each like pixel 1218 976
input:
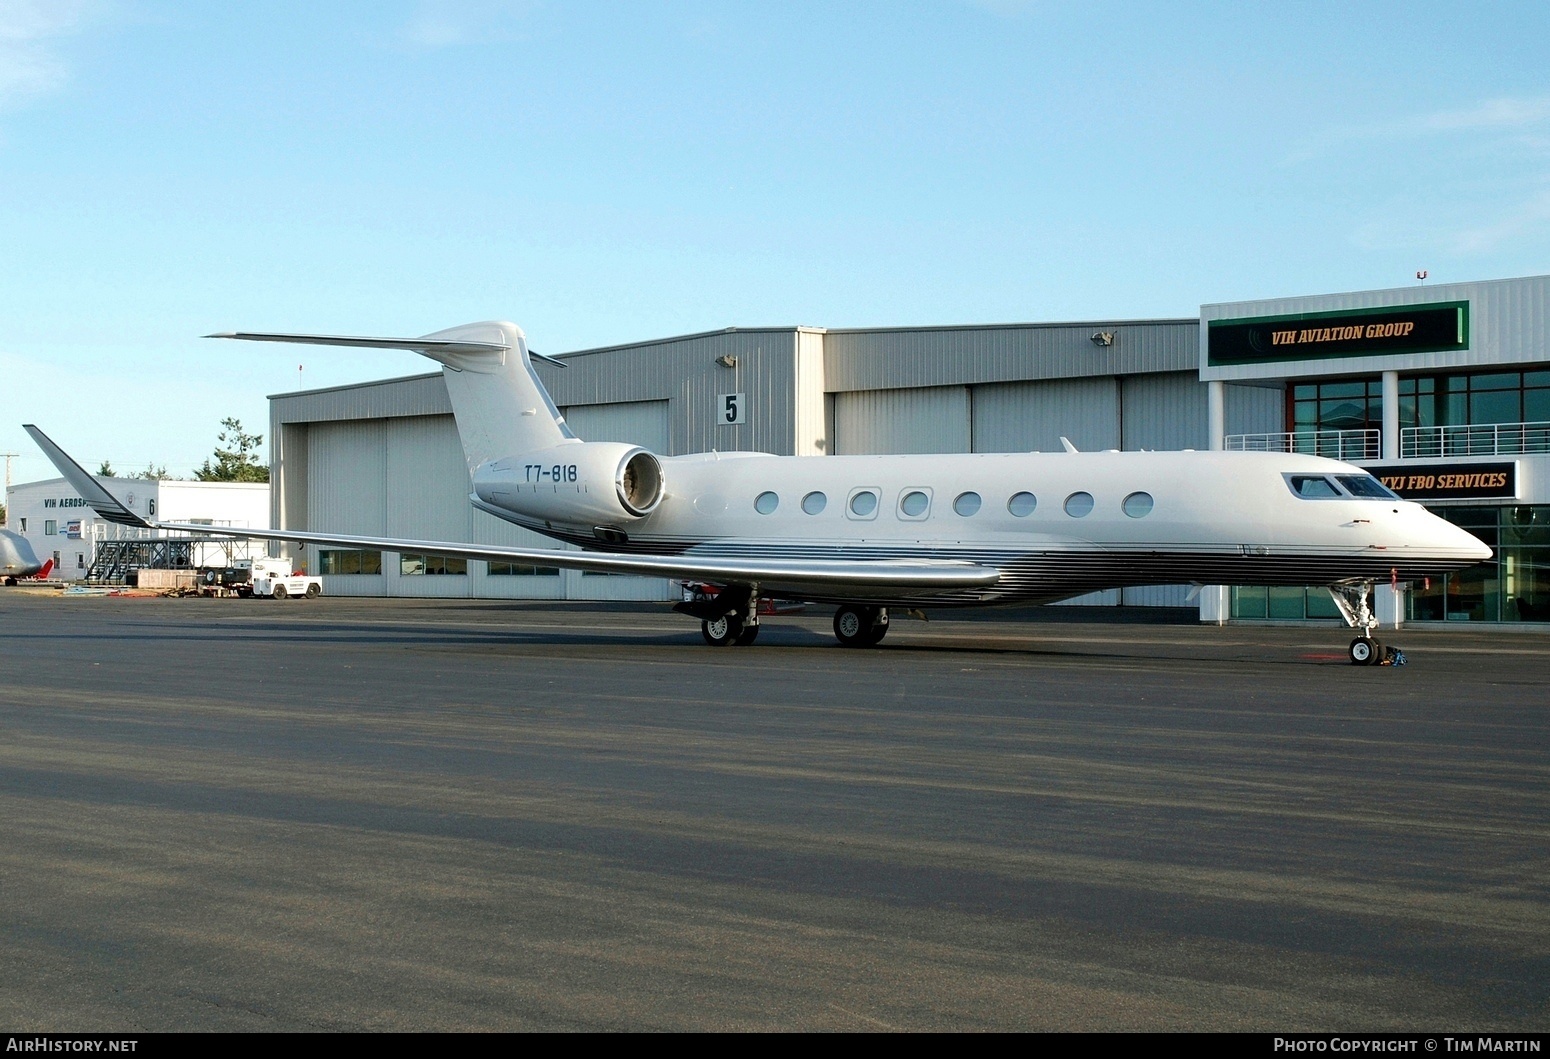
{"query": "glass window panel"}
pixel 967 504
pixel 1495 406
pixel 1343 389
pixel 863 504
pixel 766 503
pixel 1022 504
pixel 914 503
pixel 1248 601
pixel 1536 406
pixel 1510 380
pixel 1304 391
pixel 1319 605
pixel 1137 505
pixel 1536 378
pixel 814 502
pixel 1286 603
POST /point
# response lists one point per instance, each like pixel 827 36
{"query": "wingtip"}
pixel 221 334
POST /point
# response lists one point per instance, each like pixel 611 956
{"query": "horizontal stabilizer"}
pixel 861 577
pixel 426 345
pixel 98 498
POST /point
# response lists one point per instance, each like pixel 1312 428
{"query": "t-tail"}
pixel 501 406
pixel 524 463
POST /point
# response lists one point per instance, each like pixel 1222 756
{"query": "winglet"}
pixel 1067 443
pixel 101 501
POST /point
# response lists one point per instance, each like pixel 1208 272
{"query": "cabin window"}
pixel 966 504
pixel 1137 505
pixel 915 504
pixel 814 503
pixel 1022 504
pixel 1313 487
pixel 50 527
pixel 766 503
pixel 1365 486
pixel 863 503
pixel 1079 505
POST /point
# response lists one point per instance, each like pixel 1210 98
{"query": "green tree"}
pixel 237 461
pixel 153 473
pixel 106 470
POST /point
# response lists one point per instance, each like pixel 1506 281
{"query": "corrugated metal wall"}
pixel 642 423
pixel 895 421
pixel 1033 416
pixel 687 373
pixel 1164 412
pixel 884 358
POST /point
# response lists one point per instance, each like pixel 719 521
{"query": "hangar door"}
pixel 878 422
pixel 1034 416
pixel 642 423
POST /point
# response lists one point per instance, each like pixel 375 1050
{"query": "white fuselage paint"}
pixel 1227 518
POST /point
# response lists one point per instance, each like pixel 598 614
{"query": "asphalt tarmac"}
pixel 449 815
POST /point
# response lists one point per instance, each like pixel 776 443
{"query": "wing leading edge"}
pixel 880 576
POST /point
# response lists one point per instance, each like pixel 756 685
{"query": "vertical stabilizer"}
pixel 501 406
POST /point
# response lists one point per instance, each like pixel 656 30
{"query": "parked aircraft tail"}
pixel 501 406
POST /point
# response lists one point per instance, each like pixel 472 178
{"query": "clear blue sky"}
pixel 603 173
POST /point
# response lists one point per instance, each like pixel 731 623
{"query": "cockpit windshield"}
pixel 1367 487
pixel 1312 486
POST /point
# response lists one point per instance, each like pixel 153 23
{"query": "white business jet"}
pixel 870 533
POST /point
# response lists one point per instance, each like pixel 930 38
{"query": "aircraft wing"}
pixel 844 576
pixel 796 575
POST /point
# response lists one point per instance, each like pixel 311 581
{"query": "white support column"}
pixel 1214 605
pixel 1216 415
pixel 1390 448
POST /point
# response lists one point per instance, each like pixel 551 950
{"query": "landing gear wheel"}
pixel 279 592
pixel 749 634
pixel 723 631
pixel 860 626
pixel 1365 652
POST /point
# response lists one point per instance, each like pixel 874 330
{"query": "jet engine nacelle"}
pixel 582 483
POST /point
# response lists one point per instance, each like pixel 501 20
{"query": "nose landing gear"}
pixel 1355 606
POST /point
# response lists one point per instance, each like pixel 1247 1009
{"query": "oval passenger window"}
pixel 1137 505
pixel 814 502
pixel 967 504
pixel 914 503
pixel 766 503
pixel 1022 504
pixel 863 504
pixel 1079 505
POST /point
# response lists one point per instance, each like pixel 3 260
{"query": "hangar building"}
pixel 1375 377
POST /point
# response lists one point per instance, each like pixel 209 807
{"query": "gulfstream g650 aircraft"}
pixel 874 532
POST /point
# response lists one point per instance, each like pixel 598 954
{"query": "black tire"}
pixel 723 632
pixel 749 634
pixel 879 630
pixel 853 626
pixel 279 592
pixel 314 591
pixel 1363 652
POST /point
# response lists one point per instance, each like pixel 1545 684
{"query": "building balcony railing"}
pixel 1482 439
pixel 1336 444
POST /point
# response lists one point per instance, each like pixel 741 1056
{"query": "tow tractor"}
pixel 273 578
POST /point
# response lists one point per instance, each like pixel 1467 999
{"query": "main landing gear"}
pixel 1354 602
pixel 860 626
pixel 728 618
